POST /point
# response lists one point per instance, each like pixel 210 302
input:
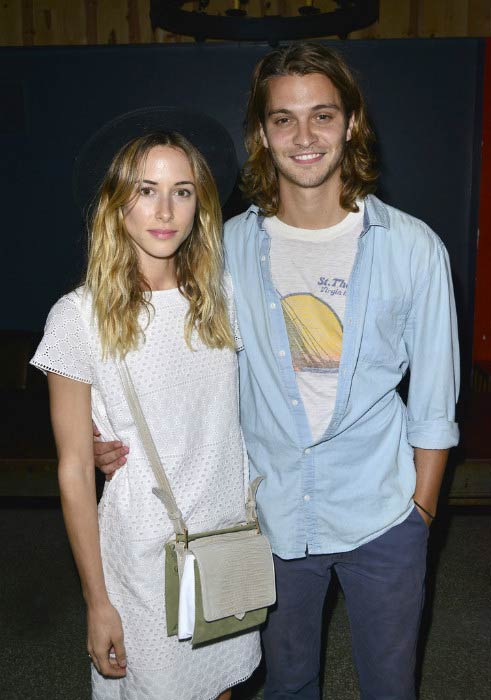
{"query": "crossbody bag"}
pixel 233 567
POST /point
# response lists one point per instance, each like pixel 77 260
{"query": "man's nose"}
pixel 305 137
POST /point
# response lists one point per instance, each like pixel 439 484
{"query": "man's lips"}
pixel 162 233
pixel 307 158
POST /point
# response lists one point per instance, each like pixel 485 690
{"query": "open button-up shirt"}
pixel 358 480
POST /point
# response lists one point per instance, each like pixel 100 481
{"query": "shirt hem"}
pixel 341 547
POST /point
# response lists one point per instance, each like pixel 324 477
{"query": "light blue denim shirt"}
pixel 358 480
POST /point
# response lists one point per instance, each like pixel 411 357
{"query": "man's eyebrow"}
pixel 283 110
pixel 329 105
pixel 183 182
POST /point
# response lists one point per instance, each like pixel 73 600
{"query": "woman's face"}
pixel 161 215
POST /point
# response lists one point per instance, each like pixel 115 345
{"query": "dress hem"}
pixel 238 682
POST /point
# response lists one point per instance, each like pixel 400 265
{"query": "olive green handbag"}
pixel 233 569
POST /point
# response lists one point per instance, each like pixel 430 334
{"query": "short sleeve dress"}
pixel 190 401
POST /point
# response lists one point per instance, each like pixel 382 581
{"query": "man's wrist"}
pixel 427 512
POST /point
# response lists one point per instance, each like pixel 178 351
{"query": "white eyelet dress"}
pixel 190 401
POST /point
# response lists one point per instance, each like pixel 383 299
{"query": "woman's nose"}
pixel 164 209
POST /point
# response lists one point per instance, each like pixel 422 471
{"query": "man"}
pixel 337 296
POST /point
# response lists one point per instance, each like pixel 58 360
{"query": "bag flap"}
pixel 236 572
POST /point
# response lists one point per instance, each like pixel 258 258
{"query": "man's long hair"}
pixel 118 288
pixel 259 176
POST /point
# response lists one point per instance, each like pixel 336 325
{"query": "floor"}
pixel 42 648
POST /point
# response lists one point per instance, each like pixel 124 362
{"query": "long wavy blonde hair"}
pixel 118 288
pixel 259 176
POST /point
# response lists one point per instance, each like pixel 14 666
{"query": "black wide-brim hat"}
pixel 207 134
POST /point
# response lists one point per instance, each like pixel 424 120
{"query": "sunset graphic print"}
pixel 315 333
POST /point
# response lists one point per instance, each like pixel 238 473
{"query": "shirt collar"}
pixel 253 209
pixel 376 213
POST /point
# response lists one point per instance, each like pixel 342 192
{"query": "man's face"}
pixel 305 129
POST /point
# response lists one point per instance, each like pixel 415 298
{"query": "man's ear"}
pixel 263 136
pixel 349 130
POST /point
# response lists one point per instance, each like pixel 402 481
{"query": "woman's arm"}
pixel 72 426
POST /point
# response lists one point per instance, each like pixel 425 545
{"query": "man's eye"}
pixel 324 117
pixel 282 120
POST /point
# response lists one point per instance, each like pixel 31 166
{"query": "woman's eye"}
pixel 146 191
pixel 183 193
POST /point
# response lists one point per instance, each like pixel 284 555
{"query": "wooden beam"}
pixel 133 22
pixel 414 14
pixel 146 33
pixel 10 23
pixel 91 21
pixel 27 22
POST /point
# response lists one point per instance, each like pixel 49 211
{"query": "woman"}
pixel 152 294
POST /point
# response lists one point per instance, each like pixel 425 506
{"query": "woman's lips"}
pixel 162 233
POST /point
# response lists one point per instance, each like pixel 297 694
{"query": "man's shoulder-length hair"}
pixel 358 172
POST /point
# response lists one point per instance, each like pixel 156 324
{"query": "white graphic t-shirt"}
pixel 311 271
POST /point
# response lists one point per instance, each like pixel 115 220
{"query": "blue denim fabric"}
pixel 357 481
pixel 383 585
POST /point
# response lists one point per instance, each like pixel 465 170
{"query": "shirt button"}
pixel 272 305
pixel 263 258
pixel 282 353
pixel 306 497
pixel 307 451
pixel 294 402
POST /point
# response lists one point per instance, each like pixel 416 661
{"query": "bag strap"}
pixel 164 491
pixel 251 514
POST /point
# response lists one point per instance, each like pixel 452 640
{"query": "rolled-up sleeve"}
pixel 432 345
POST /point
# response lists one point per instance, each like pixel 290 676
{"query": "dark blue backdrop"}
pixel 424 99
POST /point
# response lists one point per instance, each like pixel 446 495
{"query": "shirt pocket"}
pixel 382 332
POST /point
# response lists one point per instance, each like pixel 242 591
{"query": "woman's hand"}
pixel 105 640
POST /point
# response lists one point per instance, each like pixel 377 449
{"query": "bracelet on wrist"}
pixel 430 515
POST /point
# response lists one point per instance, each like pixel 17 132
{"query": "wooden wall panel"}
pixel 91 21
pixel 10 22
pixel 27 23
pixel 443 18
pixel 127 21
pixel 112 22
pixel 146 33
pixel 57 22
pixel 479 21
pixel 394 19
